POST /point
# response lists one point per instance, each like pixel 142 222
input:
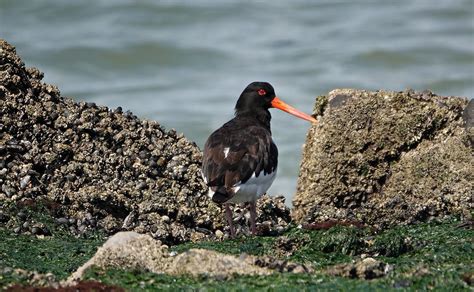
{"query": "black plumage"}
pixel 251 151
pixel 240 158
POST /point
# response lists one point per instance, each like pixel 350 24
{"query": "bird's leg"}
pixel 253 216
pixel 228 214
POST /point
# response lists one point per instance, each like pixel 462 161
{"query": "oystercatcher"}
pixel 240 159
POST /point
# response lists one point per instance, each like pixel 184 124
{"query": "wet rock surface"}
pixel 94 167
pixel 384 158
pixel 130 250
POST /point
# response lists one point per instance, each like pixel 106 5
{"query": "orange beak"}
pixel 279 104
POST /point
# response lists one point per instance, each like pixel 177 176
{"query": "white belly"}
pixel 253 188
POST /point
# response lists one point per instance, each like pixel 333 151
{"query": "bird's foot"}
pixel 228 214
pixel 253 216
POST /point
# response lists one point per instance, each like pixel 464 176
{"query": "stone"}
pixel 197 262
pixel 219 234
pixel 385 158
pixel 134 251
pixel 368 268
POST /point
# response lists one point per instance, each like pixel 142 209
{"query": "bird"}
pixel 240 158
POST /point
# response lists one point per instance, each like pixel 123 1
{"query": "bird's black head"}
pixel 255 97
pixel 258 97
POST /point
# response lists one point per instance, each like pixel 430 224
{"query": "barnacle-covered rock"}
pixel 383 158
pixel 98 167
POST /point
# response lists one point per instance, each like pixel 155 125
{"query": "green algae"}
pixel 59 255
pixel 138 281
pixel 249 245
pixel 437 255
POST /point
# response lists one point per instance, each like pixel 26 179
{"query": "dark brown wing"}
pixel 233 153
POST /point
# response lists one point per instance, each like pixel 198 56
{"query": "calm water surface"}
pixel 184 63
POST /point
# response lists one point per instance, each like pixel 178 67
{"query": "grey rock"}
pixel 81 228
pixel 24 182
pixel 385 158
pixel 36 231
pixel 62 220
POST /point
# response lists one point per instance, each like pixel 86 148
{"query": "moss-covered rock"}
pixel 384 158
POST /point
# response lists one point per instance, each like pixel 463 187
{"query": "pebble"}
pixel 4 218
pixel 21 215
pixel 8 190
pixel 17 230
pixel 219 234
pixel 26 225
pixel 91 104
pixel 54 116
pixel 81 228
pixel 165 218
pixel 46 231
pixel 143 155
pixel 36 230
pixel 25 181
pixel 62 221
pixel 142 185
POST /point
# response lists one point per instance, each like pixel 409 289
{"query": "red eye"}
pixel 262 92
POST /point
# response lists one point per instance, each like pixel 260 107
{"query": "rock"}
pixel 36 231
pixel 385 158
pixel 62 221
pixel 90 160
pixel 4 217
pixel 126 250
pixel 197 262
pixel 282 266
pixel 24 181
pixel 21 215
pixel 219 234
pixel 368 268
pixel 130 250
